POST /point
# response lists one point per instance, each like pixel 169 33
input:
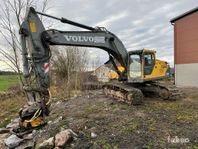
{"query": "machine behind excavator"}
pixel 140 68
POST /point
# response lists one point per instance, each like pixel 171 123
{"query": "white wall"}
pixel 102 73
pixel 186 75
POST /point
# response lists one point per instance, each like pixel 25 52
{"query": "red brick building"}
pixel 186 48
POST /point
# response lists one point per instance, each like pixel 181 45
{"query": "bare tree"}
pixel 70 59
pixel 12 13
pixel 68 63
pixel 96 62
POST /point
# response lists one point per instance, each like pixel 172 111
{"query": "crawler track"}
pixel 164 91
pixel 124 93
pixel 133 94
pixel 169 92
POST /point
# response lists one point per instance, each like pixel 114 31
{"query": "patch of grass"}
pixel 92 109
pixel 196 122
pixel 131 126
pixel 186 114
pixel 195 146
pixel 162 105
pixel 5 122
pixel 88 111
pixel 102 143
pixel 7 81
pixel 182 117
pixel 151 124
pixel 124 106
pixel 9 109
pixel 149 146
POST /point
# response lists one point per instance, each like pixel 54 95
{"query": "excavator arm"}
pixel 36 53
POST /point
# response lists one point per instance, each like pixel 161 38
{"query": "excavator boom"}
pixel 37 51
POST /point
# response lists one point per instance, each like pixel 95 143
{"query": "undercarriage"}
pixel 134 94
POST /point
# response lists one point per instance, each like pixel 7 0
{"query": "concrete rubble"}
pixel 58 141
pixel 14 123
pixel 9 140
pixel 13 141
pixel 62 138
pixel 93 135
pixel 48 144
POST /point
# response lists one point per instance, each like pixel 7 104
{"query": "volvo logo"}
pixel 91 39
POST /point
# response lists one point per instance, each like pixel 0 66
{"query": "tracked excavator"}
pixel 140 68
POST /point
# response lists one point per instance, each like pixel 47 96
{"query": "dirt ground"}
pixel 155 124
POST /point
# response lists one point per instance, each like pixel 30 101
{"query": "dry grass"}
pixel 9 109
pixel 62 93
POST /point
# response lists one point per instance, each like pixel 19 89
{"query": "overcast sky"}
pixel 138 23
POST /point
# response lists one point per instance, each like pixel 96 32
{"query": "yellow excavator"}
pixel 144 73
pixel 138 70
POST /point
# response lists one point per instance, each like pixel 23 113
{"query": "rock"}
pixel 48 144
pixel 13 141
pixel 74 135
pixel 28 136
pixel 58 119
pixel 26 145
pixel 4 130
pixel 113 135
pixel 93 135
pixel 63 137
pixel 14 123
pixel 2 145
pixel 58 102
pixel 49 122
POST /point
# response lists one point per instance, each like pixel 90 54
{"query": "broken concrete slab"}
pixel 48 144
pixel 64 137
pixel 13 141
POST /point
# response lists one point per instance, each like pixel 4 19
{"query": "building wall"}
pixel 186 75
pixel 102 73
pixel 186 39
pixel 186 50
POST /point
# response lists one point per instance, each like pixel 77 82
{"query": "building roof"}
pixel 184 14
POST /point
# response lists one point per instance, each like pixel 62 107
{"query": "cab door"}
pixel 148 62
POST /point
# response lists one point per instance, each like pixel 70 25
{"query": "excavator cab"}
pixel 143 66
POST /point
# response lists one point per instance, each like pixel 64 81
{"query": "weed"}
pixel 132 125
pixel 5 122
pixel 104 144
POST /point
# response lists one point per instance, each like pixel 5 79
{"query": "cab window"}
pixel 149 59
pixel 149 62
pixel 135 66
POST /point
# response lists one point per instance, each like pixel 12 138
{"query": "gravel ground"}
pixel 103 123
